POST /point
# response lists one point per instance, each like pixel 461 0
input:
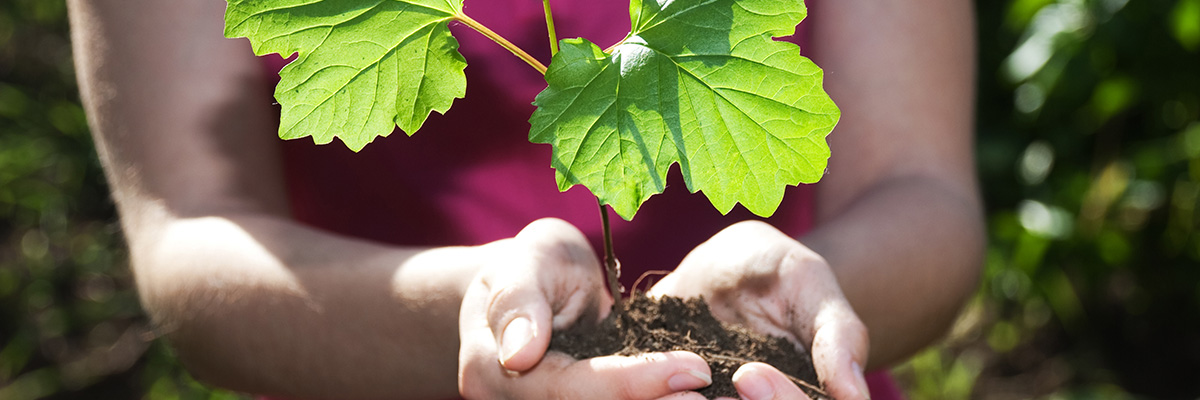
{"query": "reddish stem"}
pixel 611 265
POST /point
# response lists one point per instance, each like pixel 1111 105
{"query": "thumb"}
pixel 519 317
pixel 550 279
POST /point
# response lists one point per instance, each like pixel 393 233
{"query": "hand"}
pixel 548 277
pixel 752 274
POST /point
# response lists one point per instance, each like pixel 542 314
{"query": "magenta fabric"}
pixel 471 176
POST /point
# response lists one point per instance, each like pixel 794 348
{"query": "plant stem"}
pixel 500 40
pixel 611 265
pixel 550 28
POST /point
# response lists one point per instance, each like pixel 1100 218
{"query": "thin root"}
pixel 645 275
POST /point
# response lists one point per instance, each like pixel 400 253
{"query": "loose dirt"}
pixel 667 324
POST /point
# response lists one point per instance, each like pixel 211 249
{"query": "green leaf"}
pixel 363 67
pixel 700 83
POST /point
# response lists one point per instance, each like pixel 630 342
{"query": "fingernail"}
pixel 752 386
pixel 517 334
pixel 860 380
pixel 688 380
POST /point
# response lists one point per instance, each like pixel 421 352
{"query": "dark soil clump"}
pixel 649 325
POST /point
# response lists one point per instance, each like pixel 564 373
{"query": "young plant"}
pixel 701 83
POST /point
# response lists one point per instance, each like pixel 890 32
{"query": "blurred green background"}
pixel 1088 148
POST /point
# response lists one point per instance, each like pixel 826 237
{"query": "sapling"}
pixel 699 83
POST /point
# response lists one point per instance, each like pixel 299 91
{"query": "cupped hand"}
pixel 545 278
pixel 752 274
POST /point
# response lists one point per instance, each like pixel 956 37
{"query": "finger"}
pixel 838 338
pixel 558 237
pixel 518 316
pixel 567 252
pixel 521 314
pixel 547 278
pixel 758 381
pixel 477 366
pixel 641 377
pixel 839 351
pixel 480 375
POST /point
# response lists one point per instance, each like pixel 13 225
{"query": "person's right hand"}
pixel 548 277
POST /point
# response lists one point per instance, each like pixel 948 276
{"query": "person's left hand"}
pixel 754 275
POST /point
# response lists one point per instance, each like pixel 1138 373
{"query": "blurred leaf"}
pixel 1062 297
pixel 1185 23
pixel 68 118
pixel 12 102
pixel 1003 337
pixel 1112 96
pixel 1191 140
pixel 1045 221
pixel 1113 248
pixel 1054 32
pixel 14 355
pixel 6 28
pixel 32 385
pixel 163 389
pixel 1021 12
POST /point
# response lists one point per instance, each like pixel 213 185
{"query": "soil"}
pixel 667 324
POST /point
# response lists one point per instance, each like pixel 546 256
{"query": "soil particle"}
pixel 667 324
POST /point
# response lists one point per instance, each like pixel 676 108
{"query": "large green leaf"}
pixel 363 67
pixel 700 83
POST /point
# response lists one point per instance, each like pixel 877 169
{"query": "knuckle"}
pixel 802 256
pixel 559 240
pixel 553 227
pixel 501 303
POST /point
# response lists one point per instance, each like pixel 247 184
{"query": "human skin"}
pixel 898 215
pixel 254 301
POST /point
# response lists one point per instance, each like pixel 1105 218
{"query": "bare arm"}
pixel 899 236
pixel 256 302
pixel 252 300
pixel 899 213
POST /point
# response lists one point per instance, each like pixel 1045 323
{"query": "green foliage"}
pixel 1185 23
pixel 676 91
pixel 1089 151
pixel 363 67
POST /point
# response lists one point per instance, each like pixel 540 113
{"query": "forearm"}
pixel 183 122
pixel 899 214
pixel 263 305
pixel 907 255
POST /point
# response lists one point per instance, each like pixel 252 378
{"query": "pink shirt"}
pixel 471 176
